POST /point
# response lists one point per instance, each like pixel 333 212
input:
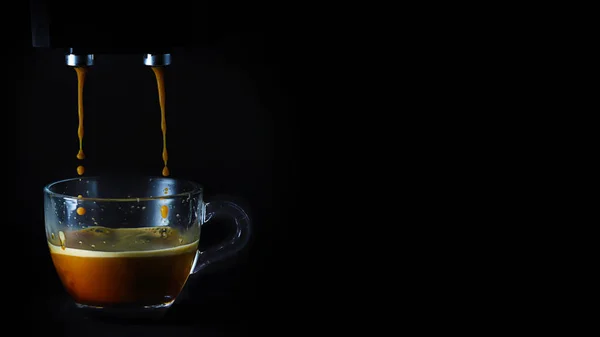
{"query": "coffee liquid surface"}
pixel 122 240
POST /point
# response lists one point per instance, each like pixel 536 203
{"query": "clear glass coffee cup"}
pixel 127 245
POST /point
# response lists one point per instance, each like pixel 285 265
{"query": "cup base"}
pixel 152 312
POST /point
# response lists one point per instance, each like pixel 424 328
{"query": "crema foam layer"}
pixel 140 253
pixel 98 241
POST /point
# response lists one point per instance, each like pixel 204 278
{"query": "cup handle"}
pixel 234 243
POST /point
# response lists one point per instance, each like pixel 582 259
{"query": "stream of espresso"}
pixel 81 71
pixel 160 82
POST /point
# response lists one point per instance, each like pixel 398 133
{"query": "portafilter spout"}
pixel 157 60
pixel 74 59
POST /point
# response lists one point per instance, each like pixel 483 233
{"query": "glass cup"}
pixel 127 245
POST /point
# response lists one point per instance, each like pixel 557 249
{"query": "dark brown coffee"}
pixel 102 266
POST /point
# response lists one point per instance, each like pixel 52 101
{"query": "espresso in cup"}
pixel 130 242
pixel 102 266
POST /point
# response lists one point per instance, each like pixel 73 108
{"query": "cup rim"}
pixel 196 189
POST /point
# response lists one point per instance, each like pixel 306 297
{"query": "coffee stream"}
pixel 81 71
pixel 160 82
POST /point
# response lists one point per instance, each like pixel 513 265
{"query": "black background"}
pixel 232 108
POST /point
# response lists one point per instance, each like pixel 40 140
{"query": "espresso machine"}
pixel 86 30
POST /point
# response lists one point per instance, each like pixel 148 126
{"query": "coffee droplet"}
pixel 80 210
pixel 63 239
pixel 80 155
pixel 165 171
pixel 79 196
pixel 166 190
pixel 80 170
pixel 164 211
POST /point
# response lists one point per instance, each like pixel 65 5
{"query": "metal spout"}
pixel 74 60
pixel 157 60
